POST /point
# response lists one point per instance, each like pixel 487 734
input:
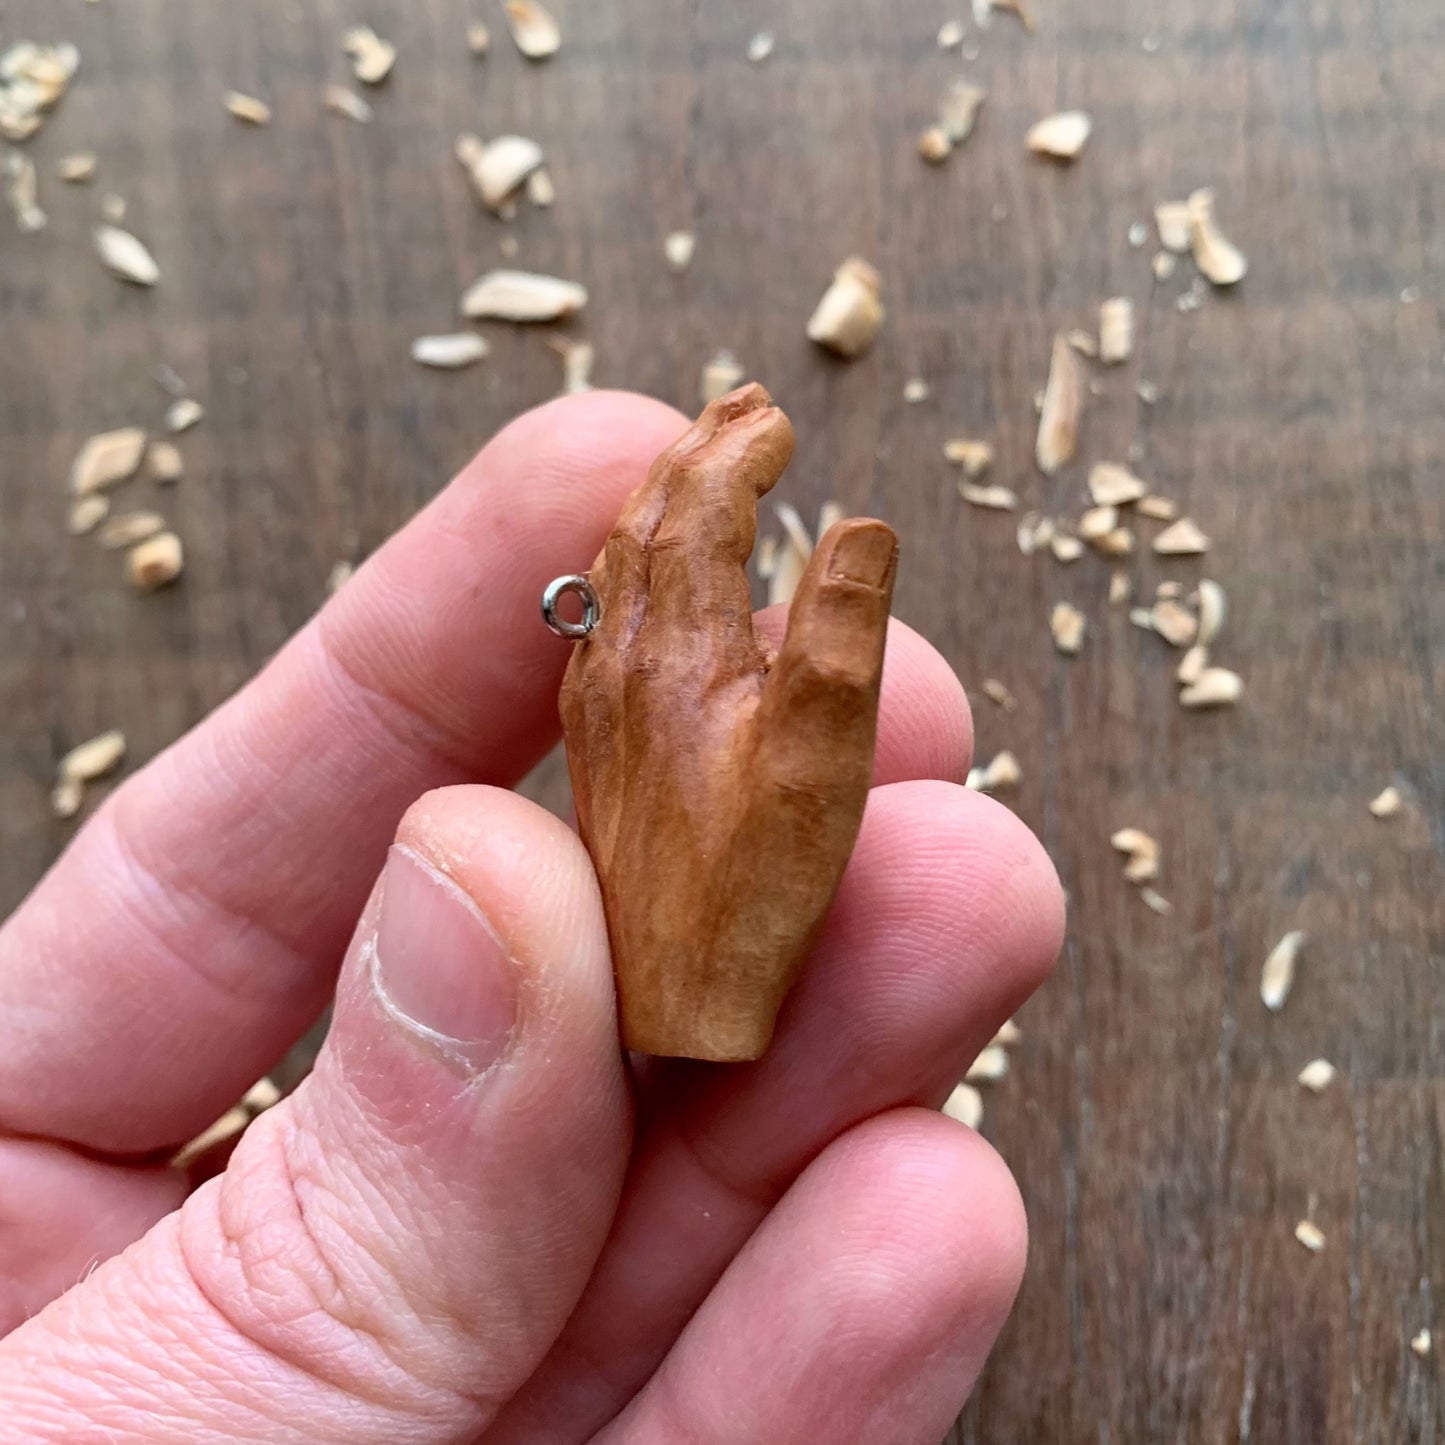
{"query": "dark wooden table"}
pixel 1152 1114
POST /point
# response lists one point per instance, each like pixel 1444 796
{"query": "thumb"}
pixel 392 1250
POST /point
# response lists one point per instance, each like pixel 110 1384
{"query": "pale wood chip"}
pixel 125 256
pixel 1163 265
pixel 346 103
pixel 1183 539
pixel 1068 625
pixel 829 515
pixel 1098 522
pixel 1211 610
pixel 1112 485
pixel 341 573
pixel 1142 617
pixel 1192 664
pixel 1027 533
pixel 1420 1343
pixel 1214 687
pixel 92 759
pixel 155 562
pixel 229 1126
pixel 989 1067
pixel 78 168
pixel 848 318
pixel 182 414
pixel 1277 977
pixel 998 692
pixel 1172 220
pixel 1118 543
pixel 86 514
pixel 767 558
pixel 1310 1235
pixel 1317 1075
pixel 66 797
pixel 791 558
pixel 916 390
pixel 1157 509
pixel 1152 899
pixel 262 1095
pixel 1215 255
pixel 1174 622
pixel 1009 1035
pixel 1116 330
pixel 450 352
pixel 958 110
pixel 950 34
pixel 1059 416
pixel 965 1104
pixel 1142 850
pixel 125 529
pixel 721 373
pixel 23 190
pixel 678 248
pixel 1061 136
pixel 106 459
pixel 247 108
pixel 498 168
pixel 522 296
pixel 761 46
pixel 1137 234
pixel 479 38
pixel 1017 8
pixel 934 145
pixel 1387 803
pixel 1065 547
pixel 1147 392
pixel 1120 588
pixel 1082 341
pixel 372 57
pixel 112 208
pixel 541 190
pixel 999 498
pixel 577 358
pixel 1002 772
pixel 164 460
pixel 973 455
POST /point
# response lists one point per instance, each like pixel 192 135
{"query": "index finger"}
pixel 194 928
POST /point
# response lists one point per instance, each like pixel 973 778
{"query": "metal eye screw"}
pixel 591 607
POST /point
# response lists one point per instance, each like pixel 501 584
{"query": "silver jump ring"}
pixel 591 607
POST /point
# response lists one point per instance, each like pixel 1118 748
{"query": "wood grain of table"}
pixel 1152 1115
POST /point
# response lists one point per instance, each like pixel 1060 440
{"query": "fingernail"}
pixel 865 554
pixel 439 967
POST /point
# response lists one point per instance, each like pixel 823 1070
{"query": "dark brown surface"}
pixel 1161 1142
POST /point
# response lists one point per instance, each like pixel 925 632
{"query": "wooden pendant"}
pixel 720 788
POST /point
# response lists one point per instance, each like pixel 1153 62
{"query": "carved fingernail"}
pixel 865 555
pixel 439 969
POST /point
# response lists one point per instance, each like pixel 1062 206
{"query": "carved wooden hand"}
pixel 719 789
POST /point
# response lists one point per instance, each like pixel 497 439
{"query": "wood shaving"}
pixel 916 391
pixel 1215 687
pixel 958 110
pixel 1027 533
pixel 341 573
pixel 1174 622
pixel 106 459
pixel 164 460
pixel 229 1126
pixel 989 1067
pixel 1147 392
pixel 577 358
pixel 112 208
pixel 1171 218
pixel 1062 405
pixel 1317 1075
pixel 247 108
pixel 86 514
pixel 1009 1035
pixel 1098 522
pixel 1015 7
pixel 934 145
pixel 829 515
pixel 1212 610
pixel 950 34
pixel 262 1095
pixel 1192 664
pixel 1216 256
pixel 1111 485
pixel 522 296
pixel 721 373
pixel 125 256
pixel 371 57
pixel 182 414
pixel 1060 137
pixel 761 46
pixel 22 187
pixel 974 456
pixel 128 528
pixel 1310 1235
pixel 1120 588
pixel 848 318
pixel 1387 803
pixel 1142 851
pixel 541 190
pixel 997 692
pixel 965 1104
pixel 78 169
pixel 678 248
pixel 1002 772
pixel 450 352
pixel 1156 902
pixel 66 798
pixel 1183 539
pixel 92 760
pixel 1137 234
pixel 767 557
pixel 982 13
pixel 1066 548
pixel 343 102
pixel 1163 265
pixel 479 38
pixel 1158 509
pixel 999 498
pixel 1142 617
pixel 155 562
pixel 1118 543
pixel 1277 977
pixel 1169 588
pixel 1068 625
pixel 497 169
pixel 1082 341
pixel 1116 330
pixel 33 80
pixel 791 558
pixel 1420 1343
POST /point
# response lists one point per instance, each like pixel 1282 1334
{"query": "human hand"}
pixel 469 1224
